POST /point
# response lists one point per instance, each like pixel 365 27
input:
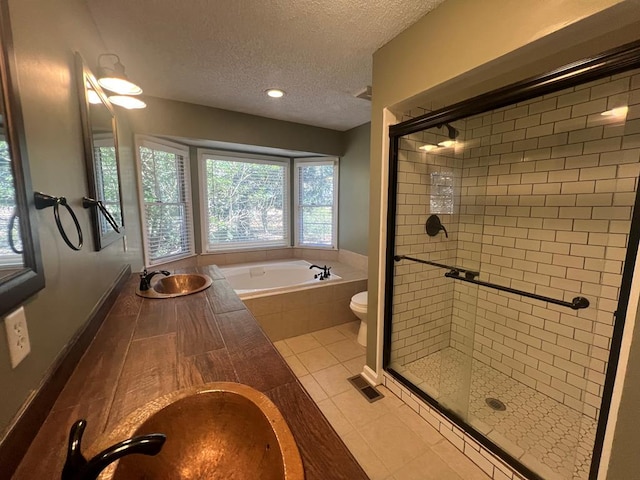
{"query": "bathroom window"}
pixel 245 200
pixel 316 202
pixel 165 200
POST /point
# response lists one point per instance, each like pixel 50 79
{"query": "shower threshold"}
pixel 548 437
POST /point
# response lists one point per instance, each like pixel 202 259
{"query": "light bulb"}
pixel 120 86
pixel 93 97
pixel 129 103
pixel 275 93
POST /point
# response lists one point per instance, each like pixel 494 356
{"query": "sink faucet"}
pixel 324 274
pixel 145 278
pixel 79 468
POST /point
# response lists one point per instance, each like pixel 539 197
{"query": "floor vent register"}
pixel 367 391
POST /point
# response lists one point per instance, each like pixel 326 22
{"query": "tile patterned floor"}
pixel 386 437
pixel 552 439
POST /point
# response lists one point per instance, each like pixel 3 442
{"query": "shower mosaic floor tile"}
pixel 552 439
pixel 386 437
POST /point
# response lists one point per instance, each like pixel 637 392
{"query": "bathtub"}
pixel 253 279
pixel 287 301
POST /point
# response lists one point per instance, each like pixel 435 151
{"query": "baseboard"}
pixel 27 422
pixel 371 376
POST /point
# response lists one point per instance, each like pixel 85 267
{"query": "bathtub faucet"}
pixel 324 274
pixel 145 278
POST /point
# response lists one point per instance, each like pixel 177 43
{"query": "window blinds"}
pixel 166 201
pixel 246 202
pixel 316 191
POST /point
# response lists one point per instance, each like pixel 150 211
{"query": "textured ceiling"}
pixel 226 53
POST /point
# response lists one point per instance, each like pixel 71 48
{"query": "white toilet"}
pixel 358 306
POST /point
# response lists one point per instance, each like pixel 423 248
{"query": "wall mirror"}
pixel 101 157
pixel 21 273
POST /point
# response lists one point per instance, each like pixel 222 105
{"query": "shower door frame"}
pixel 611 62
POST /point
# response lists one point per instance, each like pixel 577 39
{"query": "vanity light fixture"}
pixel 93 97
pixel 130 103
pixel 113 78
pixel 275 93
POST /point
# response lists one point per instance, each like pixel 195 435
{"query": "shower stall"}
pixel 511 242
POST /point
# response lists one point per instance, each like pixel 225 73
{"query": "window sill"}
pixel 252 248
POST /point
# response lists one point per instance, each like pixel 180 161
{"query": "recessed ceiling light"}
pixel 275 93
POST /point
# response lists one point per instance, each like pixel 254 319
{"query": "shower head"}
pixel 452 132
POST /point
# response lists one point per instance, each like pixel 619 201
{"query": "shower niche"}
pixel 509 325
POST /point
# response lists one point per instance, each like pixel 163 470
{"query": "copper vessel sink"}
pixel 216 431
pixel 177 286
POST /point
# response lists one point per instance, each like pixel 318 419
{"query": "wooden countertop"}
pixel 147 347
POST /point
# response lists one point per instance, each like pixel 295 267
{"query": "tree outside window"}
pixel 166 202
pixel 316 199
pixel 246 202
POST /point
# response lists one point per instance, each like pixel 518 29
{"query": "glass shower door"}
pixel 489 319
pixel 433 317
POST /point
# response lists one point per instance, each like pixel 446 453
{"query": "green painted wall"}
pixel 354 190
pixel 46 34
pixel 180 119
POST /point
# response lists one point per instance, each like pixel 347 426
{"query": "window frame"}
pixel 177 149
pixel 102 141
pixel 316 161
pixel 203 156
pixel 8 260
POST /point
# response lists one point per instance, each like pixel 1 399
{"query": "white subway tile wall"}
pixel 543 196
pixel 423 299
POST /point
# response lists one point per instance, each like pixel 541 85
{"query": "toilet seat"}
pixel 358 306
pixel 360 299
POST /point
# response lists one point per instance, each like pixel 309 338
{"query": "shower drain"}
pixel 496 404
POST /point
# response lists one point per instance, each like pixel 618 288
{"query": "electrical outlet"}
pixel 17 336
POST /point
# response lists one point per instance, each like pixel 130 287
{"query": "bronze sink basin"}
pixel 176 285
pixel 217 431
